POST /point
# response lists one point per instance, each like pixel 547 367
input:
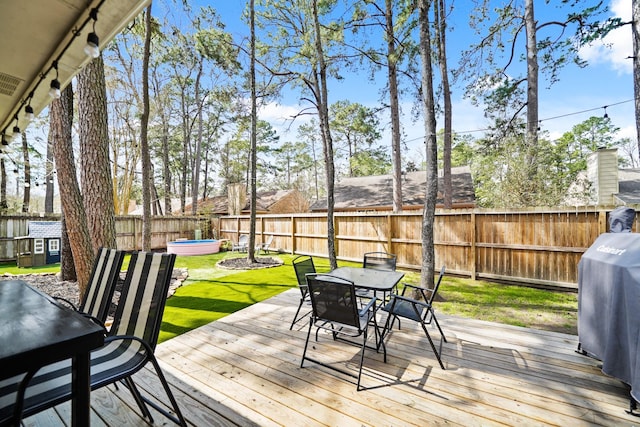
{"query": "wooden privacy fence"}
pixel 128 231
pixel 533 247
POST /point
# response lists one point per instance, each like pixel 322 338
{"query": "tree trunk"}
pixel 635 26
pixel 196 154
pixel 323 116
pixel 61 113
pixel 396 159
pixel 3 186
pixel 253 151
pixel 95 167
pixel 67 267
pixel 441 28
pixel 531 138
pixel 428 251
pixel 147 175
pixel 48 197
pixel 26 195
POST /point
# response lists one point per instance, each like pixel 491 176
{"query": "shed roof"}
pixel 45 229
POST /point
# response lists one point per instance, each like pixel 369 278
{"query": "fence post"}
pixel 602 221
pixel 472 249
pixel 390 234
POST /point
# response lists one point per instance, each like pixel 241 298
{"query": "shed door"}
pixel 53 252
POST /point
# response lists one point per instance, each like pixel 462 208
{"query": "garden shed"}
pixel 42 244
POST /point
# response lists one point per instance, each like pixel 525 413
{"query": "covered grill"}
pixel 609 305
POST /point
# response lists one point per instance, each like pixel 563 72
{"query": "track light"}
pixel 28 110
pixel 28 113
pixel 92 48
pixel 54 90
pixel 4 147
pixel 15 134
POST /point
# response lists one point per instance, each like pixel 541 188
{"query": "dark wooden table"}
pixel 35 331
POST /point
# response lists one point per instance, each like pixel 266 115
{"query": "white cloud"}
pixel 285 119
pixel 616 48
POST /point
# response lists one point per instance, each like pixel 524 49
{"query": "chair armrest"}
pixel 66 301
pixel 410 300
pixel 366 308
pixel 420 289
pixel 96 321
pixel 146 345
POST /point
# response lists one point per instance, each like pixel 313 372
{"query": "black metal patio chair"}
pixel 336 310
pixel 128 347
pixel 377 261
pixel 418 310
pixel 302 265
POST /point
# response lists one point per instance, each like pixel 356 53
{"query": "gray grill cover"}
pixel 609 305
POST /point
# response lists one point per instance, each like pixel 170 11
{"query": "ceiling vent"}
pixel 8 84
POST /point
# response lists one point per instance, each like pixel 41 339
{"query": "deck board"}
pixel 244 370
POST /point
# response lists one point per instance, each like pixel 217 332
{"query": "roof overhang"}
pixel 39 32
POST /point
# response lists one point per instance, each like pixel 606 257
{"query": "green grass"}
pixel 210 293
pixel 509 304
pixel 12 268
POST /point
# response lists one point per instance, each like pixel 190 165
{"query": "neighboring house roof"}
pixel 376 192
pixel 275 201
pixel 44 230
pixel 629 186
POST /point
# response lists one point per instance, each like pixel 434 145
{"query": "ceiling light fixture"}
pixel 92 48
pixel 54 91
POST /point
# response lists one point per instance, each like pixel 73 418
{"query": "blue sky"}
pixel 606 82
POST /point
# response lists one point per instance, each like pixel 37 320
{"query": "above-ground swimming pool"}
pixel 193 247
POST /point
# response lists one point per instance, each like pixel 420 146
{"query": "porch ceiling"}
pixel 35 33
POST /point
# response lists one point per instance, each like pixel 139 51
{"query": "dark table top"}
pixel 35 331
pixel 369 278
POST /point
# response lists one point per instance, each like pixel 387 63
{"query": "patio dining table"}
pixel 383 281
pixel 36 331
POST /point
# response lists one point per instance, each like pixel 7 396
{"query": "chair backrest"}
pixel 437 285
pixel 269 240
pixel 243 240
pixel 102 283
pixel 143 296
pixel 379 261
pixel 429 294
pixel 333 299
pixel 303 265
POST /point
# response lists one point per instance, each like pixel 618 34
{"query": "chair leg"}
pixel 178 419
pixel 295 318
pixel 433 346
pixel 306 343
pixel 364 344
pixel 138 398
pixel 433 316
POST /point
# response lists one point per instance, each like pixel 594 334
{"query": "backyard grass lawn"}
pixel 210 293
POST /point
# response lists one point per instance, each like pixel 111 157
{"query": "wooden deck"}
pixel 245 370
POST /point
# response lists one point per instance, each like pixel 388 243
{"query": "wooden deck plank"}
pixel 244 370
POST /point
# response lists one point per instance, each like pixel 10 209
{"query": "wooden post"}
pixel 472 249
pixel 390 234
pixel 293 234
pixel 602 221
